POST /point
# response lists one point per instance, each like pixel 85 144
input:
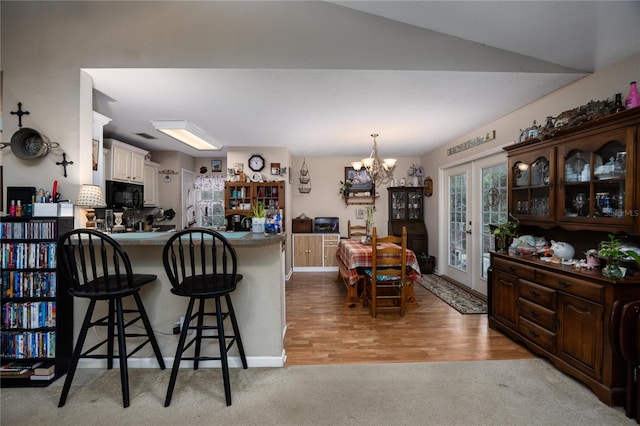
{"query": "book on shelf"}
pixel 45 369
pixel 16 374
pixel 19 365
pixel 42 376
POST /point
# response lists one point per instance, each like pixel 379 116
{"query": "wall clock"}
pixel 256 162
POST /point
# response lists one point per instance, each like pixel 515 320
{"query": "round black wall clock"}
pixel 256 162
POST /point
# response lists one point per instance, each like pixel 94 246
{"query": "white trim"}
pixel 234 362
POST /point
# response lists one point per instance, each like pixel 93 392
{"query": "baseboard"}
pixel 234 362
pixel 461 286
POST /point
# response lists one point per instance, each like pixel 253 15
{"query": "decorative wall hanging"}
pixel 64 163
pixel 20 113
pixel 428 186
pixel 29 144
pixel 472 142
pixel 305 179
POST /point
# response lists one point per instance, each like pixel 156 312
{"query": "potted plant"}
pixel 258 217
pixel 612 251
pixel 345 187
pixel 504 231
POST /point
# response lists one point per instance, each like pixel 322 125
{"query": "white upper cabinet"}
pixel 125 163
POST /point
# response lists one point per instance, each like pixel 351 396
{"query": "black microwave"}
pixel 122 195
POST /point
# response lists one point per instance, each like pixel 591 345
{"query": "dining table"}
pixel 353 256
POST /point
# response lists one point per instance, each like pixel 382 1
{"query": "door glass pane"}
pixel 458 221
pixel 494 207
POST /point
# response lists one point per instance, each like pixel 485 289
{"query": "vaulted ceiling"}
pixel 419 73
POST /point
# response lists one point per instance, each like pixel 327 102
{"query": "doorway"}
pixel 476 197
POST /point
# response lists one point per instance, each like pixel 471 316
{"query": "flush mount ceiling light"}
pixel 187 133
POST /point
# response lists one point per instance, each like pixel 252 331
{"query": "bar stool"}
pixel 95 267
pixel 201 265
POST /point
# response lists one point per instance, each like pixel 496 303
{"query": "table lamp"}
pixel 90 196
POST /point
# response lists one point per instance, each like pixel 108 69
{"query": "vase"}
pixel 415 181
pixel 612 270
pixel 257 224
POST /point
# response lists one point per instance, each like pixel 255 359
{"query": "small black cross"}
pixel 20 113
pixel 64 163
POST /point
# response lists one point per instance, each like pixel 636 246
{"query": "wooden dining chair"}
pixel 356 230
pixel 385 281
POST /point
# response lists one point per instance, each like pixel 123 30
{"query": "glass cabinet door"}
pixel 532 190
pixel 414 206
pixel 595 186
pixel 398 205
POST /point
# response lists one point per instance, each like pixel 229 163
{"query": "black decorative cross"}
pixel 20 113
pixel 64 163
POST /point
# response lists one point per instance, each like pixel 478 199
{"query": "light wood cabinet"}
pixel 330 247
pixel 315 252
pixel 125 162
pixel 151 192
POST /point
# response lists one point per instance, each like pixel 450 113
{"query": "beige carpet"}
pixel 515 392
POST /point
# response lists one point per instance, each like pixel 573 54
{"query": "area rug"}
pixel 462 301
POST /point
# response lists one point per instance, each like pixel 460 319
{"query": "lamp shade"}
pixel 90 196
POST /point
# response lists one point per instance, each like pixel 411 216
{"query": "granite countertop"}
pixel 237 239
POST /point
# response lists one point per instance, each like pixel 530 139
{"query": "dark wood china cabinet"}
pixel 579 185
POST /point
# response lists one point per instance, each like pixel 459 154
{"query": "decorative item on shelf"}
pixel 416 173
pixel 529 132
pixel 428 186
pixel 381 171
pixel 613 251
pixel 305 178
pixel 633 100
pixel 593 259
pixel 167 173
pixel 617 103
pixel 345 187
pixel 90 196
pixel 504 231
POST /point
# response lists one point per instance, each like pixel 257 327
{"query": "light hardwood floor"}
pixel 321 330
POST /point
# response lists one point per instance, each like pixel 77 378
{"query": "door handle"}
pixel 468 231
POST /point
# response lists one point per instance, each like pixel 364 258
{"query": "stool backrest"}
pixel 92 263
pixel 200 261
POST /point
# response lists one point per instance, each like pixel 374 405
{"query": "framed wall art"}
pixel 216 166
pixel 361 179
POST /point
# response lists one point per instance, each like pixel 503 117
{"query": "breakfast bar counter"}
pixel 259 299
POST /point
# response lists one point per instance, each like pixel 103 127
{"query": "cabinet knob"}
pixel 564 284
pixel 534 313
pixel 534 293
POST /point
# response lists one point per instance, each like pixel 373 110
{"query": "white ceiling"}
pixel 491 58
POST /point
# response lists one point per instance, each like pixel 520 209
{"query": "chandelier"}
pixel 381 171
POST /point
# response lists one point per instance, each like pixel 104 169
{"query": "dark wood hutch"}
pixel 576 186
pixel 406 208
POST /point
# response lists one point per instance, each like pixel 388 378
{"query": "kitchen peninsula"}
pixel 259 300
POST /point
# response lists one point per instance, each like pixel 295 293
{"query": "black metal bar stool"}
pixel 201 265
pixel 95 267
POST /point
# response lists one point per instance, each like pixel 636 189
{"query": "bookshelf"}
pixel 37 315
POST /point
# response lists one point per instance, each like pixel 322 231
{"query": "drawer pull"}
pixel 533 333
pixel 512 268
pixel 564 284
pixel 534 293
pixel 534 313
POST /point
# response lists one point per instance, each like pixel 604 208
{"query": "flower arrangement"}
pixel 415 171
pixel 613 251
pixel 345 187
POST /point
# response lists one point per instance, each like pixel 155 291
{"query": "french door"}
pixel 477 197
